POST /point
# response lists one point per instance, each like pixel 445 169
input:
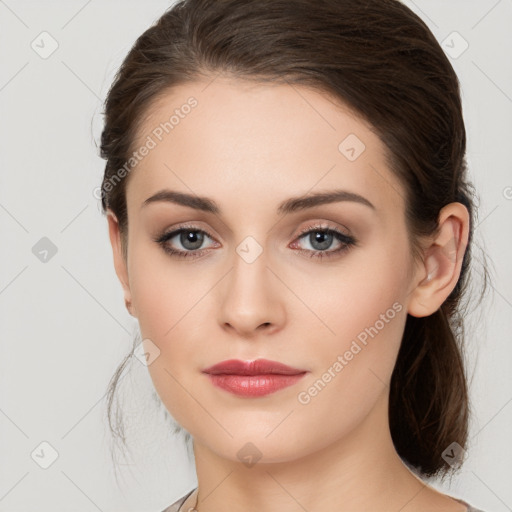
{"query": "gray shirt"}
pixel 175 507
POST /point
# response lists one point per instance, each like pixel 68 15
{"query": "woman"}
pixel 291 223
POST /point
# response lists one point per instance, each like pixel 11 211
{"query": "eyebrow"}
pixel 291 205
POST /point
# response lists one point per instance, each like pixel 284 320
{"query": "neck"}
pixel 361 471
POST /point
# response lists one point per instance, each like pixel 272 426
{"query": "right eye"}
pixel 190 238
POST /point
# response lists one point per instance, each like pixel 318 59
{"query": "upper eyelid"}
pixel 320 226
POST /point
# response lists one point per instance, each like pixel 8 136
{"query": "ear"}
pixel 439 272
pixel 119 260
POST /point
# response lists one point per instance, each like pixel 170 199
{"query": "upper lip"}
pixel 256 367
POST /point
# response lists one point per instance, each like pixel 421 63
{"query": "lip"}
pixel 256 367
pixel 253 378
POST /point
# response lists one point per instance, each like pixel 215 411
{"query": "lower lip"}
pixel 254 385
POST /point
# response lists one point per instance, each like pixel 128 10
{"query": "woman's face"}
pixel 253 285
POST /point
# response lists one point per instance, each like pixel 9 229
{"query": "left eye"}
pixel 321 238
pixel 191 239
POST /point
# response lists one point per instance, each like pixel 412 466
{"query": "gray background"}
pixel 64 325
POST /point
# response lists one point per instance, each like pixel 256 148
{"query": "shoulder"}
pixel 470 508
pixel 177 504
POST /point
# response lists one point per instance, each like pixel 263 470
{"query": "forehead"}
pixel 259 144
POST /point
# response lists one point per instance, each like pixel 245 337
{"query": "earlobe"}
pixel 120 263
pixel 442 263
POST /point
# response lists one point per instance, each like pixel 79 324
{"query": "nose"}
pixel 251 299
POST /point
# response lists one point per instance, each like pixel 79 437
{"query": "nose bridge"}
pixel 249 276
pixel 248 297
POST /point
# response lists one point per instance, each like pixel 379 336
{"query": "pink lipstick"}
pixel 253 378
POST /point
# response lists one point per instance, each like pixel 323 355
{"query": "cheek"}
pixel 353 366
pixel 170 306
pixel 175 310
pixel 362 317
pixel 165 293
pixel 365 294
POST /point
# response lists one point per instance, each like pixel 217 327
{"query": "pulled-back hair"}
pixel 380 59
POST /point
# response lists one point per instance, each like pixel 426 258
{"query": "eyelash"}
pixel 346 240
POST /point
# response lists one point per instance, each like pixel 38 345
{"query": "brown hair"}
pixel 382 60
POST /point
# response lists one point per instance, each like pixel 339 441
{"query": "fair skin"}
pixel 249 147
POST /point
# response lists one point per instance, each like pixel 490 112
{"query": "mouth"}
pixel 253 378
